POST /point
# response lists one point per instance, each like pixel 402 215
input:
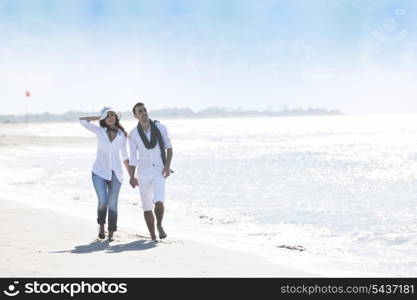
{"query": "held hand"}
pixel 166 172
pixel 133 182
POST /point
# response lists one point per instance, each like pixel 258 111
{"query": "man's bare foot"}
pixel 101 234
pixel 153 237
pixel 111 235
pixel 162 233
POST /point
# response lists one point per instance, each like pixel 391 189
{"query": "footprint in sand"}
pixel 289 247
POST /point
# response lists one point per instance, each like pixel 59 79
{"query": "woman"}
pixel 107 173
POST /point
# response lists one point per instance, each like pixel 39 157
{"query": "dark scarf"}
pixel 156 137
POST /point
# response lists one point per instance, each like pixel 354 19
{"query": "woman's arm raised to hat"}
pixel 85 121
pixel 89 119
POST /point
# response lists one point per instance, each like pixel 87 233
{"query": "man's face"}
pixel 141 113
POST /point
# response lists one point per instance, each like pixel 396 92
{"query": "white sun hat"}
pixel 105 110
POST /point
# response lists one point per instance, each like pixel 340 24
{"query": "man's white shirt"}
pixel 147 160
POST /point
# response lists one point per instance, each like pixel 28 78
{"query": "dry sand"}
pixel 42 243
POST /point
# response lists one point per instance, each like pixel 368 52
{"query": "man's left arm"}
pixel 167 169
pixel 168 146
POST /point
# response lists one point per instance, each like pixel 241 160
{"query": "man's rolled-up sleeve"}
pixel 165 137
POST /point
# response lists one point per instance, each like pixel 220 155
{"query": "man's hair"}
pixel 136 105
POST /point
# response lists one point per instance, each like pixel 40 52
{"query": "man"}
pixel 147 143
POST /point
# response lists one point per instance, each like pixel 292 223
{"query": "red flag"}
pixel 27 94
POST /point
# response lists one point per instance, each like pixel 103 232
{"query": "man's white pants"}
pixel 151 189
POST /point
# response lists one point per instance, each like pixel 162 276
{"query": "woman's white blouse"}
pixel 108 153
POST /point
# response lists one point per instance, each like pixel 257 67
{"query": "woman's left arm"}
pixel 85 121
pixel 125 157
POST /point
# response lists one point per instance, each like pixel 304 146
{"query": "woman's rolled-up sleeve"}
pixel 123 150
pixel 93 128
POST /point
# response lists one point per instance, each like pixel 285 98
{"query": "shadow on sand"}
pixel 105 246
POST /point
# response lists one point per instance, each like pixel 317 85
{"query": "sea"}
pixel 331 195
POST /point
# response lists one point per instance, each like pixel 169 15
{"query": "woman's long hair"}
pixel 117 124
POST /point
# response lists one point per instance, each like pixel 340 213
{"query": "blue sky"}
pixel 351 55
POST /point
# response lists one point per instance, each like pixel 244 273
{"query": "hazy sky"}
pixel 357 56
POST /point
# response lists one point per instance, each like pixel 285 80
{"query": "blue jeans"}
pixel 108 194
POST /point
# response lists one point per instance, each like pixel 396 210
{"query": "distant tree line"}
pixel 180 113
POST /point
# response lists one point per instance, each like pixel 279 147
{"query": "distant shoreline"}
pixel 173 113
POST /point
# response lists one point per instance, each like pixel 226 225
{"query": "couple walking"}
pixel 148 165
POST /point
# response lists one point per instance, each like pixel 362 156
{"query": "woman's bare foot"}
pixel 162 233
pixel 101 234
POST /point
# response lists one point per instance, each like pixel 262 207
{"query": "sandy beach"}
pixel 42 243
